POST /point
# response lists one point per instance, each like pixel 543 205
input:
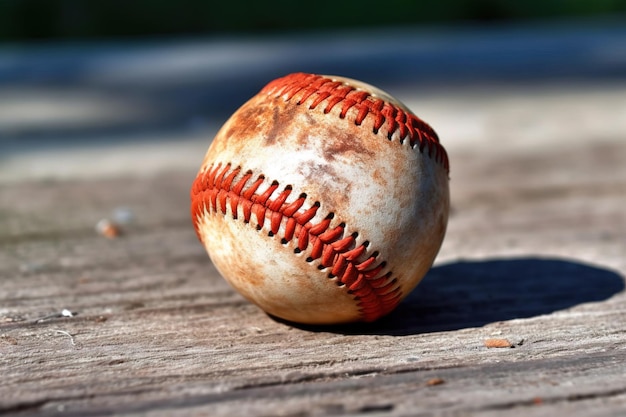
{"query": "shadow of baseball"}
pixel 475 293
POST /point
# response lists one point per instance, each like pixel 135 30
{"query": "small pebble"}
pixel 108 229
pixel 435 381
pixel 498 343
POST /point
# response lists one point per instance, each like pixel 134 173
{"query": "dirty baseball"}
pixel 323 200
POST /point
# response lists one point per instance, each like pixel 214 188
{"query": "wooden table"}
pixel 142 324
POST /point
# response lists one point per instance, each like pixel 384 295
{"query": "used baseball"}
pixel 323 200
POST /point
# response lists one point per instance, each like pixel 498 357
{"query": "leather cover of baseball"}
pixel 323 200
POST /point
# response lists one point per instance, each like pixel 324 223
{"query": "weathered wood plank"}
pixel 534 254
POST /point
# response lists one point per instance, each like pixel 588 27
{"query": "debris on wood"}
pixel 9 339
pixel 63 332
pixel 435 381
pixel 498 343
pixel 108 228
pixel 64 313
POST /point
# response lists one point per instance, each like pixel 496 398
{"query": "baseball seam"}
pixel 222 186
pixel 316 89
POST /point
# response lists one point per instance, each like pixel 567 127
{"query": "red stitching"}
pixel 316 89
pixel 374 290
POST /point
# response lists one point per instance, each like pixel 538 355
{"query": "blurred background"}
pixel 114 87
pixel 27 20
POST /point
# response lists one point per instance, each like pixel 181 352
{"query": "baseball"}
pixel 323 200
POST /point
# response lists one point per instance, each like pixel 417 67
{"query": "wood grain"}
pixel 535 254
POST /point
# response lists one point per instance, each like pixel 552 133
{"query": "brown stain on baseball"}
pixel 281 118
pixel 275 120
pixel 246 121
pixel 303 135
pixel 345 138
pixel 346 142
pixel 311 120
pixel 378 177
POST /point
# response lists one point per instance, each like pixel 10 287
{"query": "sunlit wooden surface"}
pixel 142 324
